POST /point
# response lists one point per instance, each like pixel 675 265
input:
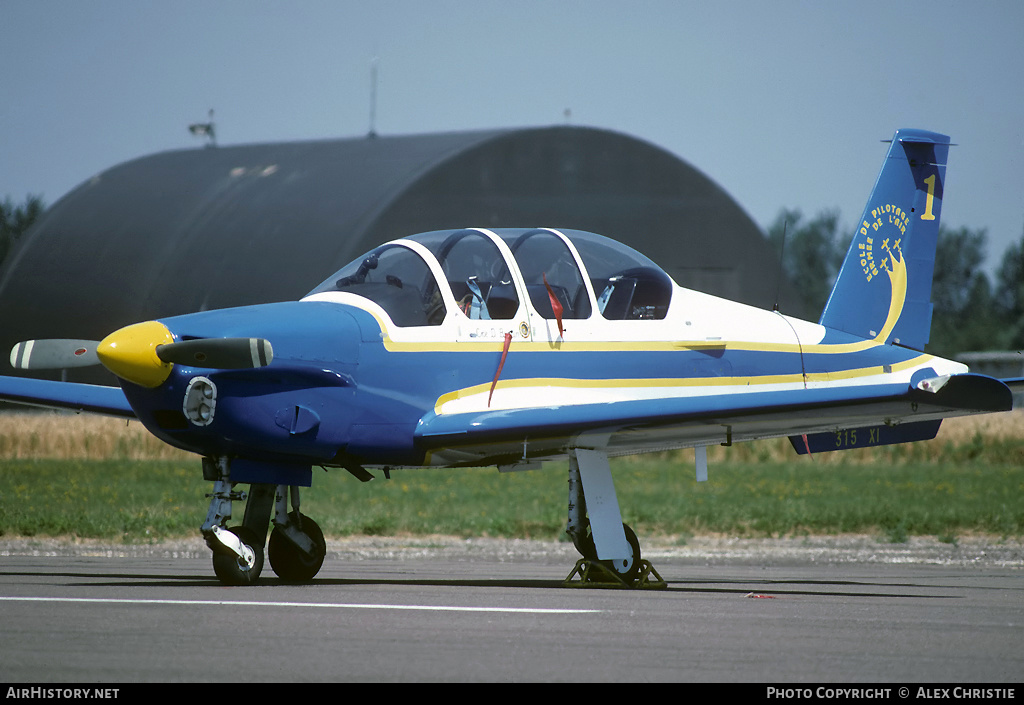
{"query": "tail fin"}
pixel 884 287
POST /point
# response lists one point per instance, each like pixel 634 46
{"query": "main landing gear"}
pixel 610 549
pixel 296 548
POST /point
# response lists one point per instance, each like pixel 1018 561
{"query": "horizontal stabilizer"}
pixel 865 437
pixel 1016 385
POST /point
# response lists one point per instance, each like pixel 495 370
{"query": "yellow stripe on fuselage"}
pixel 630 346
pixel 678 383
pixel 392 345
pixel 564 347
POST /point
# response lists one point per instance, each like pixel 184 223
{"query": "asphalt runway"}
pixel 451 611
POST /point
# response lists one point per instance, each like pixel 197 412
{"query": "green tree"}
pixel 811 254
pixel 964 317
pixel 1009 296
pixel 15 220
pixel 967 314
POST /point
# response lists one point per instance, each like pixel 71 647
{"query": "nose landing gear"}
pixel 237 555
pixel 296 549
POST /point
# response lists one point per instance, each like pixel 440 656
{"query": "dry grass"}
pixel 1008 426
pixel 998 435
pixel 66 436
pixel 89 437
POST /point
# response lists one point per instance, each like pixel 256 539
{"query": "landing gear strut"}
pixel 611 555
pixel 297 547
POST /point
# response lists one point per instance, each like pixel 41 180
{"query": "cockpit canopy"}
pixel 565 274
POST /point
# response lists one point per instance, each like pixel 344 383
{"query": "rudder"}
pixel 883 291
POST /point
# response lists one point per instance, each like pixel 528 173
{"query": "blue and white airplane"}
pixel 509 347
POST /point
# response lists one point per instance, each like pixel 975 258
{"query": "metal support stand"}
pixel 593 574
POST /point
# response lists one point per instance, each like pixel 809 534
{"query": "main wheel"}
pixel 628 569
pixel 232 570
pixel 289 562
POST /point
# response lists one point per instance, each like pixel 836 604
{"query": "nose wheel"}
pixel 296 548
pixel 238 559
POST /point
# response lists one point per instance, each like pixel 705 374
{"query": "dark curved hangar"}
pixel 208 228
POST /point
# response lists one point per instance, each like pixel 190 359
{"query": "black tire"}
pixel 288 562
pixel 230 569
pixel 586 546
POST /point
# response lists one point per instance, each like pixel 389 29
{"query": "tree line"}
pixel 971 312
pixel 15 220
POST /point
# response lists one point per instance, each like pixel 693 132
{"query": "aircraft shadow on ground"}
pixel 768 588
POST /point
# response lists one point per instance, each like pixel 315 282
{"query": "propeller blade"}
pixel 218 353
pixel 54 354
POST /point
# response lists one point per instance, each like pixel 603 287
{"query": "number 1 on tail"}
pixel 930 202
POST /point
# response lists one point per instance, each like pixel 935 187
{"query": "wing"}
pixel 519 435
pixel 66 395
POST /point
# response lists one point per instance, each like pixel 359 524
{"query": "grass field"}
pixel 93 477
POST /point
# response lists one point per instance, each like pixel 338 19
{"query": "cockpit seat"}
pixel 635 294
pixel 542 302
pixel 502 302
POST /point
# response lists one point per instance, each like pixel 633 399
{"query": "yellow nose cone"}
pixel 130 353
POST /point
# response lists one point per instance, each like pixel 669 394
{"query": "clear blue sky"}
pixel 782 103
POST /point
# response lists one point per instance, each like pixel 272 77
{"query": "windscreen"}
pixel 398 280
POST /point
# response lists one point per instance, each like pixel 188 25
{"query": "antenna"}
pixel 373 96
pixel 205 129
pixel 782 265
